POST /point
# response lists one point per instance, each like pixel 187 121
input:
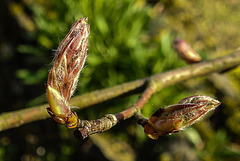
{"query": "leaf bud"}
pixel 176 117
pixel 185 51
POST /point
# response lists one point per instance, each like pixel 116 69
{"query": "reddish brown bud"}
pixel 176 117
pixel 185 51
pixel 63 77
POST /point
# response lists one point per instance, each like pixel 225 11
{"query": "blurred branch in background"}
pixel 223 83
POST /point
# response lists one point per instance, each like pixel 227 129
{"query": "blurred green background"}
pixel 129 40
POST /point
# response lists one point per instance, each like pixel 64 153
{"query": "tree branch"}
pixel 17 118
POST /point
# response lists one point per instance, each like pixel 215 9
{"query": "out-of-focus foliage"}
pixel 129 39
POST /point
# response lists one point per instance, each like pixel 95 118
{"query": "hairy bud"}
pixel 185 51
pixel 176 117
pixel 63 77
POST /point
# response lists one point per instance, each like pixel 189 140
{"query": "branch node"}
pixel 87 128
pixel 142 120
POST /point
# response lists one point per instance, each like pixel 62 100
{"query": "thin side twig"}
pixel 148 92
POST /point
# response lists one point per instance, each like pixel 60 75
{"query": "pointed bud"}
pixel 63 77
pixel 185 51
pixel 176 117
